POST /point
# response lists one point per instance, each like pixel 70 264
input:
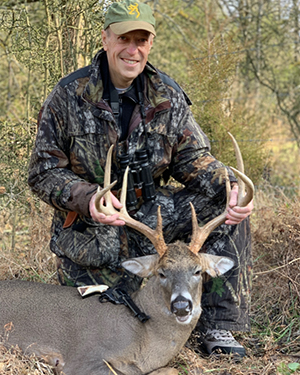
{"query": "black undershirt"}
pixel 127 100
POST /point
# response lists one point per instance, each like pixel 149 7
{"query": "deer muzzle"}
pixel 182 308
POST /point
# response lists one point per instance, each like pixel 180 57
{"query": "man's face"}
pixel 127 55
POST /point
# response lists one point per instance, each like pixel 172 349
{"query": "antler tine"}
pixel 240 167
pixel 200 234
pixel 107 186
pixel 155 236
pixel 243 180
pixel 123 196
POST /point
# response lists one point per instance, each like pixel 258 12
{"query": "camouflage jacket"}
pixel 76 127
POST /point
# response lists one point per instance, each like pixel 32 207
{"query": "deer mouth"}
pixel 184 319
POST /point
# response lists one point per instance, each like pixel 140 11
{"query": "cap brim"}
pixel 125 27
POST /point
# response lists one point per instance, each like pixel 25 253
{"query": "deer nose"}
pixel 181 306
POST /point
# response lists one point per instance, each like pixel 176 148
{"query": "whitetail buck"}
pixel 84 337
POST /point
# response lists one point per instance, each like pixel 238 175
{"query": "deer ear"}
pixel 217 265
pixel 142 266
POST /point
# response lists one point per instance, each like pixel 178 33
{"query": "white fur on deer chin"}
pixel 184 319
pixel 188 318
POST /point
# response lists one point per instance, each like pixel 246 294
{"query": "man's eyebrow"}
pixel 145 34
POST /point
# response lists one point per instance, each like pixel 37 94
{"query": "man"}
pixel 121 99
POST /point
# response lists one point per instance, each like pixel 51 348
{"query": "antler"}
pixel 155 236
pixel 200 234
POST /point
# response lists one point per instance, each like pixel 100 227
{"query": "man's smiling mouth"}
pixel 132 62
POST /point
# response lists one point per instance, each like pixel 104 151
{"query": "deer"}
pixel 80 336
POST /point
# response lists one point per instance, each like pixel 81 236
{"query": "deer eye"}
pixel 162 275
pixel 197 272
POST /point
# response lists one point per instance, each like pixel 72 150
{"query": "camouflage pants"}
pixel 225 299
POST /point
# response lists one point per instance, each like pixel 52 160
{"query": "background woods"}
pixel 239 61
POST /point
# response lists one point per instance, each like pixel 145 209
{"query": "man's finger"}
pixel 116 203
pixel 233 196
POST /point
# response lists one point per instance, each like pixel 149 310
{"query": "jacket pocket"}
pixel 89 144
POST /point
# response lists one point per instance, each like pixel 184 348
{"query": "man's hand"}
pixel 237 214
pixel 102 218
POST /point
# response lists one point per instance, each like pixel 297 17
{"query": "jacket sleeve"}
pixel 193 164
pixel 50 176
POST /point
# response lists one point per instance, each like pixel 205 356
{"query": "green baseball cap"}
pixel 129 15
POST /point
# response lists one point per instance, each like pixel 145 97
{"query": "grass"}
pixel 273 345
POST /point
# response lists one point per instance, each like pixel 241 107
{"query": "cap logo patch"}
pixel 134 8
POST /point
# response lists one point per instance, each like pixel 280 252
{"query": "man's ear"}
pixel 151 41
pixel 104 39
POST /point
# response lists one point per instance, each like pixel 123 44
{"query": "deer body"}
pixel 81 338
pixel 75 335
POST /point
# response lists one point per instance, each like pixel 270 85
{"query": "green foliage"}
pixel 213 78
pixel 285 369
pixel 183 370
pixel 44 40
pixel 16 144
pixel 180 25
pixel 270 39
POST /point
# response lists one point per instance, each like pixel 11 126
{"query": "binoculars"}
pixel 139 177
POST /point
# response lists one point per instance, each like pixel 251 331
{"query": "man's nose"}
pixel 132 48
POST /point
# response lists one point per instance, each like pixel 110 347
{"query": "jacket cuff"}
pixel 81 194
